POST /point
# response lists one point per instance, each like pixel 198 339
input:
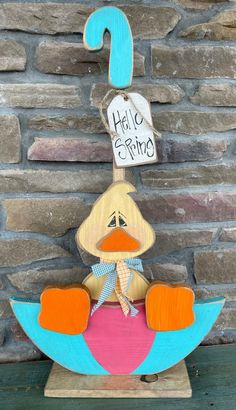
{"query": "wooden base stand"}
pixel 171 383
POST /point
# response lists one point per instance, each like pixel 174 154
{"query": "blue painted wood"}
pixel 171 347
pixel 73 353
pixel 121 54
pixel 70 351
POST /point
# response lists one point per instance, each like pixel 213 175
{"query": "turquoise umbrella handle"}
pixel 115 21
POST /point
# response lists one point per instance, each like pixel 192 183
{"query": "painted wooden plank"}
pixel 23 375
pixel 225 352
pixel 171 383
pixel 207 360
pixel 35 400
pixel 121 54
pixel 212 372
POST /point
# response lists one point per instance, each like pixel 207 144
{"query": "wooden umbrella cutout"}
pixel 114 341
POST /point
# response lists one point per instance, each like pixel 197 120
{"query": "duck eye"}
pixel 112 224
pixel 122 222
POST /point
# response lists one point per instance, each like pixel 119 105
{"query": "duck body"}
pixel 116 344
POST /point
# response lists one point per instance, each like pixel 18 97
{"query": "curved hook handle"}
pixel 121 54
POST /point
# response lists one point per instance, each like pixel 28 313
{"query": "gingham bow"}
pixel 118 278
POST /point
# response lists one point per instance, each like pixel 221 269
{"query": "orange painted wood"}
pixel 117 241
pixel 65 310
pixel 169 307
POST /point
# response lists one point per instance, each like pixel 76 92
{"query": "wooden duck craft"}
pixel 145 330
pixel 116 322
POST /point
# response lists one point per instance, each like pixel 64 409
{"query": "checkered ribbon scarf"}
pixel 118 278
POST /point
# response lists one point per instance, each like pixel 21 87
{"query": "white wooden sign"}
pixel 135 143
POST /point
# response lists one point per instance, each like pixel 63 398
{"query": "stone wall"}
pixel 56 158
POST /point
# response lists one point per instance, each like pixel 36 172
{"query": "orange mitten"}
pixel 65 310
pixel 169 307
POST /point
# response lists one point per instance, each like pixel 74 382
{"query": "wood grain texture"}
pixel 118 173
pixel 63 348
pixel 212 373
pixel 169 307
pixel 118 240
pixel 167 349
pixel 119 343
pixel 173 346
pixel 65 309
pixel 111 208
pixel 121 54
pixel 171 383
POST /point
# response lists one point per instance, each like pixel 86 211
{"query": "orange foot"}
pixel 169 307
pixel 65 310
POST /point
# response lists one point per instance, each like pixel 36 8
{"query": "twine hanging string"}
pixel 126 96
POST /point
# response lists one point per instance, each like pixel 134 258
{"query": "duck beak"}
pixel 118 240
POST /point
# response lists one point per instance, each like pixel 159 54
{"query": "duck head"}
pixel 115 228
